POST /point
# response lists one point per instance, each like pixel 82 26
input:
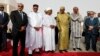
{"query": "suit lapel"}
pixel 4 15
pixel 93 22
pixel 20 18
pixel 23 15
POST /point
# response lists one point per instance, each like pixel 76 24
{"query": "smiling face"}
pixel 35 8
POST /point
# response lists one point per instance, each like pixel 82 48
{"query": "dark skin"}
pixel 35 9
pixel 62 11
pixel 49 12
pixel 76 11
pixel 98 14
pixel 1 9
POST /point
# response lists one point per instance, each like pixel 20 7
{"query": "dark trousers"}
pixel 90 38
pixel 3 40
pixel 56 35
pixel 20 36
pixel 69 32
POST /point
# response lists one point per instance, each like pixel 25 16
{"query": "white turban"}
pixel 48 9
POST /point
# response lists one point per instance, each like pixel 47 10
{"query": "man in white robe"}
pixel 49 24
pixel 76 33
pixel 34 31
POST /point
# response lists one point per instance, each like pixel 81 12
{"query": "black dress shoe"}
pixel 60 51
pixel 74 49
pixel 65 50
pixel 38 52
pixel 79 49
pixel 87 49
pixel 22 54
pixel 47 51
pixel 52 51
pixel 30 55
pixel 95 50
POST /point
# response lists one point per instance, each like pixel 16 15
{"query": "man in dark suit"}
pixel 91 31
pixel 4 19
pixel 19 21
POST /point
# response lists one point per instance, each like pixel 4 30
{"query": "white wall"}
pixel 84 5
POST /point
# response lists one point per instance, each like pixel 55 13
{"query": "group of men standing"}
pixel 36 31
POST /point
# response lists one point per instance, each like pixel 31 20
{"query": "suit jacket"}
pixel 99 26
pixel 4 21
pixel 94 24
pixel 17 21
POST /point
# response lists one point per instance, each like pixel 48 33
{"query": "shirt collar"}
pixel 91 18
pixel 20 11
pixel 1 12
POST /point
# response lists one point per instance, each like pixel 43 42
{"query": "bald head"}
pixel 20 6
pixel 1 8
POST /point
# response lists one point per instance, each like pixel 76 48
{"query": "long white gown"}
pixel 76 29
pixel 48 33
pixel 33 37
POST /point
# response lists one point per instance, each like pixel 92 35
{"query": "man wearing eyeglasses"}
pixel 91 31
pixel 4 19
pixel 19 21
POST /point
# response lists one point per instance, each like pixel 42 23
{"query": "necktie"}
pixel 21 14
pixel 1 18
